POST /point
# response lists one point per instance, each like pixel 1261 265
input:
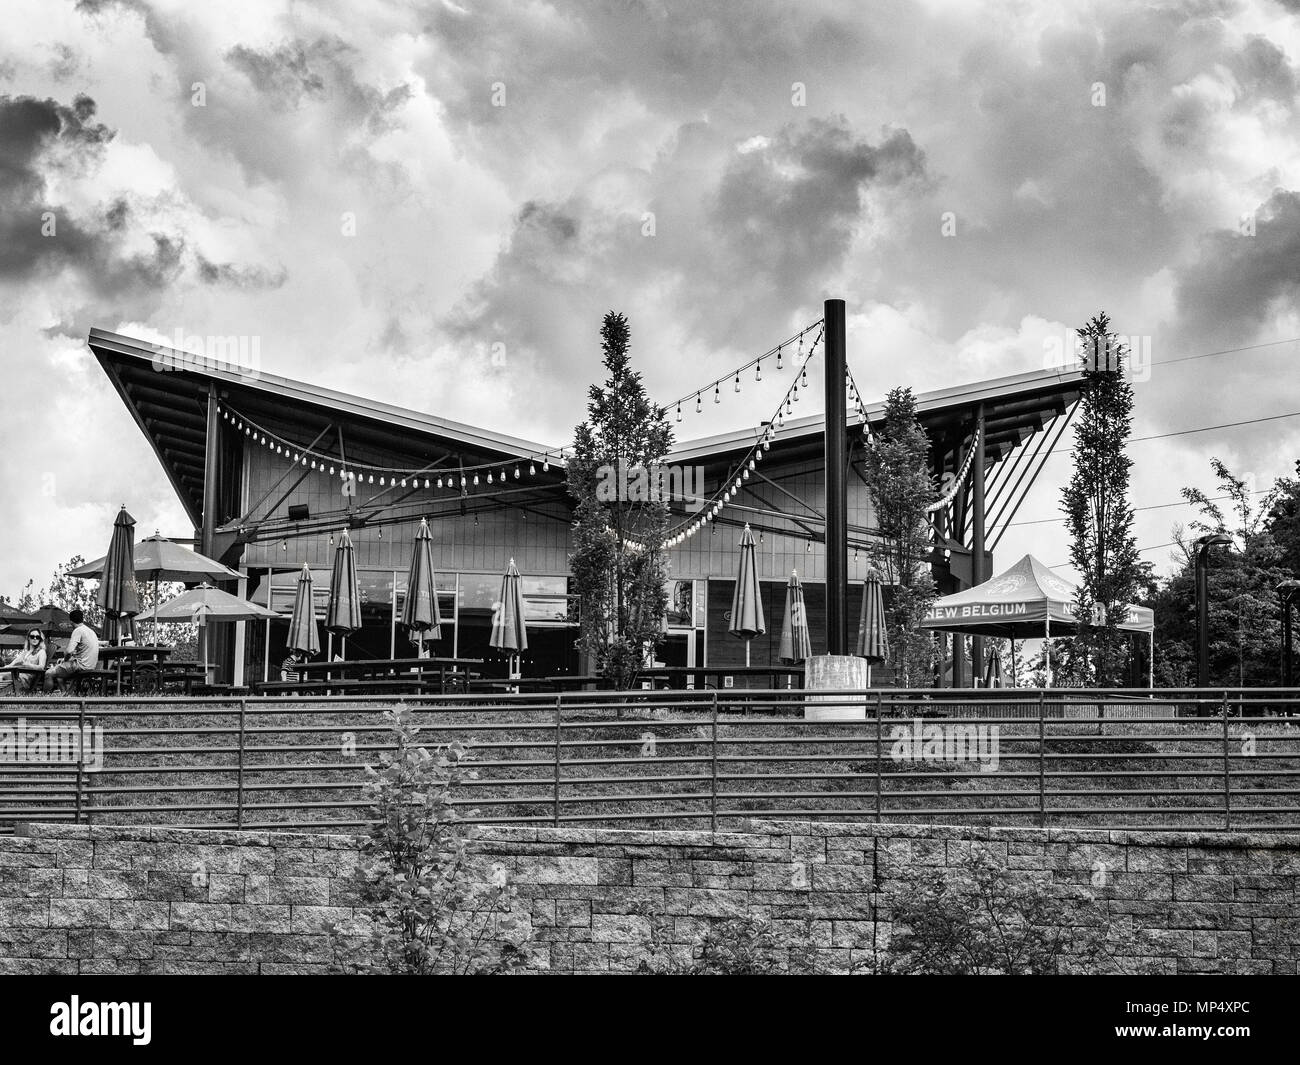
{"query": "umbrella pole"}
pixel 153 629
pixel 746 654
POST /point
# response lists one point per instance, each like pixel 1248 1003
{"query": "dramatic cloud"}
pixel 435 204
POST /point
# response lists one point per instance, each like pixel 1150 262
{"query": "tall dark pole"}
pixel 1203 545
pixel 977 574
pixel 1287 593
pixel 837 521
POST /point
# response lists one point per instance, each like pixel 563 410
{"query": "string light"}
pixel 717 393
pixel 758 369
pixel 737 380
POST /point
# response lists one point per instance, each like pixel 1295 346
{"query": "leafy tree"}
pixel 1283 521
pixel 1098 513
pixel 1244 628
pixel 897 474
pixel 428 910
pixel 619 564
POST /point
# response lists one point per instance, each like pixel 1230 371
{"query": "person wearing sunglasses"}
pixel 31 655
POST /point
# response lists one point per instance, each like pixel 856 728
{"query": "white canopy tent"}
pixel 1028 601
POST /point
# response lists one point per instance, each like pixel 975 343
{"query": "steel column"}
pixel 836 449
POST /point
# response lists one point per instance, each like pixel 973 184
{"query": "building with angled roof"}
pixel 269 470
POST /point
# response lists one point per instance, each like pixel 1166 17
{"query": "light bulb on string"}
pixel 546 465
pixel 698 406
pixel 717 393
pixel 679 411
pixel 758 369
pixel 489 478
pixel 779 352
pixel 476 480
pixel 532 470
pixel 516 473
pixel 737 380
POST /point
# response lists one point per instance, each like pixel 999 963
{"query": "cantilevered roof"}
pixel 166 392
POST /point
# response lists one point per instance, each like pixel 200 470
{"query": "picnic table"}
pixel 132 654
pixel 36 672
pixel 376 675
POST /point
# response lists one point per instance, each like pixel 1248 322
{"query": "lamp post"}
pixel 1287 593
pixel 1203 545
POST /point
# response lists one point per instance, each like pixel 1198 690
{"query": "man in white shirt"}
pixel 82 653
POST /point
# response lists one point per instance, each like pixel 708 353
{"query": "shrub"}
pixel 427 912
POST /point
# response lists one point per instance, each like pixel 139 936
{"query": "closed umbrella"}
pixel 993 670
pixel 796 645
pixel 117 593
pixel 343 615
pixel 420 608
pixel 206 604
pixel 873 637
pixel 746 602
pixel 303 636
pixel 509 633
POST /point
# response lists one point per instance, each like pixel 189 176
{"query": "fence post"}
pixel 81 757
pixel 1042 759
pixel 239 794
pixel 558 715
pixel 713 797
pixel 1227 778
pixel 880 706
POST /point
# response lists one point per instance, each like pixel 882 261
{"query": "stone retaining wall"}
pixel 98 899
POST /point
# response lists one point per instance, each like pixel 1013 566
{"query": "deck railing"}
pixel 1208 760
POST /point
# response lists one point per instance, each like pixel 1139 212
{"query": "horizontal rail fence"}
pixel 705 759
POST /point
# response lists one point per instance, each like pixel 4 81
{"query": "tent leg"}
pixel 1013 663
pixel 1047 648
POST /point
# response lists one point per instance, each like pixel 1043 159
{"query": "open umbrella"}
pixel 303 636
pixel 420 608
pixel 204 604
pixel 873 637
pixel 158 559
pixel 796 645
pixel 13 618
pixel 117 588
pixel 343 614
pixel 746 602
pixel 509 633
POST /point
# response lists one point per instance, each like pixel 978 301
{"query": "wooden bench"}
pixel 101 677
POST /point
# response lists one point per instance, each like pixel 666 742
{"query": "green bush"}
pixel 427 911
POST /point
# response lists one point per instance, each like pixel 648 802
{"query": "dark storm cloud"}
pixel 1231 290
pixel 235 275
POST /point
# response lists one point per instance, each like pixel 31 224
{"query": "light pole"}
pixel 1203 545
pixel 1287 593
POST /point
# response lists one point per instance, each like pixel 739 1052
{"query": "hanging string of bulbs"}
pixel 368 473
pixel 732 376
pixel 769 432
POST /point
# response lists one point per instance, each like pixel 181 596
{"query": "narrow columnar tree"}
pixel 1098 513
pixel 618 563
pixel 897 472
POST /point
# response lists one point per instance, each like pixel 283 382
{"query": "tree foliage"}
pixel 1099 516
pixel 897 474
pixel 620 588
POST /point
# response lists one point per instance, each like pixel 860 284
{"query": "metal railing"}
pixel 707 759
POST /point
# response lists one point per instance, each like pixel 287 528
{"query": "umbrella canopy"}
pixel 746 601
pixel 509 633
pixel 343 615
pixel 54 621
pixel 117 589
pixel 873 636
pixel 303 636
pixel 205 603
pixel 420 608
pixel 13 618
pixel 156 558
pixel 1022 602
pixel 796 645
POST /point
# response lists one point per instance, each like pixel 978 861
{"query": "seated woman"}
pixel 32 655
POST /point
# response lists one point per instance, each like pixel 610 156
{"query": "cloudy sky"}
pixel 433 204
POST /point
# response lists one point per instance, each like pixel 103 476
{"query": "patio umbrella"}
pixel 158 559
pixel 795 642
pixel 203 604
pixel 343 614
pixel 420 608
pixel 13 618
pixel 302 624
pixel 509 633
pixel 746 602
pixel 873 636
pixel 993 670
pixel 118 595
